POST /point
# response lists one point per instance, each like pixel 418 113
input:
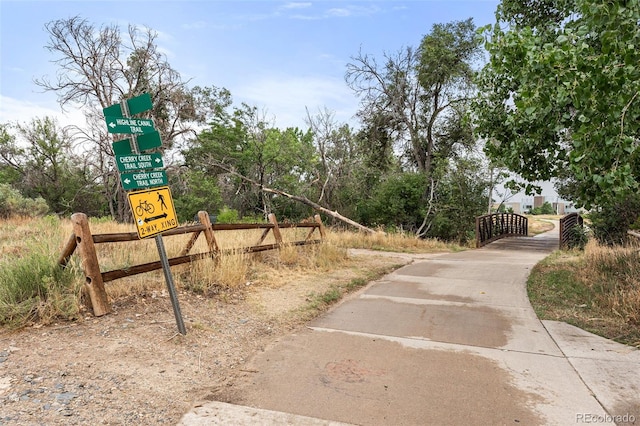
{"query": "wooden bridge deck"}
pixel 547 242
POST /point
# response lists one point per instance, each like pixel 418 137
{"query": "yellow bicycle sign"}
pixel 153 211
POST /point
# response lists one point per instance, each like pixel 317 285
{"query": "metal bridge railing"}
pixel 567 223
pixel 492 227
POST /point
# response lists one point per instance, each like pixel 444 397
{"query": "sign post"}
pixel 151 204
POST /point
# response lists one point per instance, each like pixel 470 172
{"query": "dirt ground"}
pixel 132 367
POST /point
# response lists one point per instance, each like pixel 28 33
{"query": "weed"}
pixel 35 288
pixel 597 289
pixel 578 237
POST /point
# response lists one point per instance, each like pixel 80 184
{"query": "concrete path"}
pixel 447 340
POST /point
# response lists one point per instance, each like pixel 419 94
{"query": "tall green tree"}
pixel 420 96
pixel 43 164
pixel 243 152
pixel 461 197
pixel 560 95
pixel 9 173
pixel 194 190
pixel 397 201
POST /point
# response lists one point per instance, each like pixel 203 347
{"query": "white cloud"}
pixel 339 12
pixel 286 98
pixel 14 110
pixel 198 25
pixel 353 11
pixel 296 5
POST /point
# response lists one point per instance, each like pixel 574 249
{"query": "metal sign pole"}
pixel 166 268
pixel 170 285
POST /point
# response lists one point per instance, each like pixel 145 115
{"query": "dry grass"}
pixel 32 287
pixel 597 290
pixel 398 242
pixel 541 223
pixel 617 283
pixel 228 273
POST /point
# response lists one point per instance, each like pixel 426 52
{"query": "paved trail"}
pixel 450 339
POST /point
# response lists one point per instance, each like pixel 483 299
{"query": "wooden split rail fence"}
pixel 84 241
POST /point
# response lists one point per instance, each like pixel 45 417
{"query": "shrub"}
pixel 546 208
pixel 578 237
pixel 227 215
pixel 12 203
pixel 610 223
pixel 35 288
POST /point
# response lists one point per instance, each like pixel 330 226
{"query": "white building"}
pixel 560 206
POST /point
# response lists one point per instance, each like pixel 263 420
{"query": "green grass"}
pixel 35 289
pixel 323 301
pixel 597 290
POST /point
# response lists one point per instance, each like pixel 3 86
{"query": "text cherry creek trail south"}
pixel 139 162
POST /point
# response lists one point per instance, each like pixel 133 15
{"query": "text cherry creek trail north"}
pixel 149 178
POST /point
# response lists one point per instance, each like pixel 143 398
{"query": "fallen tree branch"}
pixel 633 233
pixel 298 198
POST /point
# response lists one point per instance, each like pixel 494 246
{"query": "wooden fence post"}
pixel 276 229
pixel 321 228
pixel 208 232
pixel 93 284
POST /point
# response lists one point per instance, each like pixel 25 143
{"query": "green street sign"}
pixel 113 111
pixel 129 125
pixel 139 104
pixel 149 141
pixel 122 147
pixel 139 161
pixel 144 142
pixel 144 179
pixel 135 106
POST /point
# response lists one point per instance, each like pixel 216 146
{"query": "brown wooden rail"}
pixel 492 227
pixel 84 241
pixel 567 223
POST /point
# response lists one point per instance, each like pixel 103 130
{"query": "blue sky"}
pixel 280 56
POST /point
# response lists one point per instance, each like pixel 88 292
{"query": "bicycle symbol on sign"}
pixel 144 207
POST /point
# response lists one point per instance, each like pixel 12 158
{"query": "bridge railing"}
pixel 567 223
pixel 492 227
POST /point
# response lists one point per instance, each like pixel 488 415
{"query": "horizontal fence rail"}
pixel 567 223
pixel 492 227
pixel 84 241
